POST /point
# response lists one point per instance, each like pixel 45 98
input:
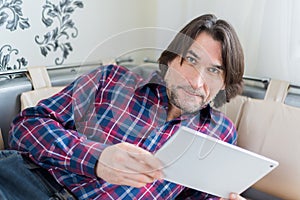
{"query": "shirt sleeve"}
pixel 49 131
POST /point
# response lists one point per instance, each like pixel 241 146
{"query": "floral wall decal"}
pixel 6 53
pixel 58 38
pixel 14 9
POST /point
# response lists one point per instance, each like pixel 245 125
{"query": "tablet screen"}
pixel 207 164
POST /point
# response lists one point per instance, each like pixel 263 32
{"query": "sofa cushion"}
pixel 270 128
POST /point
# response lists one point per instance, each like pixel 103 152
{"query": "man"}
pixel 97 136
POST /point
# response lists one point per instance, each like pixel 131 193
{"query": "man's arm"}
pixel 49 131
pixel 127 164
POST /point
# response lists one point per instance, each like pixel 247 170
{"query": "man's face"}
pixel 200 77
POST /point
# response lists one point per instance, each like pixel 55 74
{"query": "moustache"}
pixel 192 91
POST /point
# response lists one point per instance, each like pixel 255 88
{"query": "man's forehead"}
pixel 199 52
pixel 208 49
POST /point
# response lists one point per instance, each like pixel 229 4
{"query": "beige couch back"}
pixel 42 87
pixel 270 128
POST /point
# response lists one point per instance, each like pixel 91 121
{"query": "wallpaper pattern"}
pixel 55 16
pixel 52 40
pixel 11 15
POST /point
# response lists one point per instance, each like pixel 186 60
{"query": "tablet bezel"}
pixel 207 164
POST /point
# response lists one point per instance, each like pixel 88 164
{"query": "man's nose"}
pixel 197 81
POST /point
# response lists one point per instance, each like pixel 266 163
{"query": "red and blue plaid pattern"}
pixel 66 133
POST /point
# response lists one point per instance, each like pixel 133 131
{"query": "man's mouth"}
pixel 193 93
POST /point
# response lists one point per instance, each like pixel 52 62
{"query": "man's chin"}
pixel 192 109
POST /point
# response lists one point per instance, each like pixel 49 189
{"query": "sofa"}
pixel 266 116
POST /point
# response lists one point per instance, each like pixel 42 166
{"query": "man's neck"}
pixel 173 112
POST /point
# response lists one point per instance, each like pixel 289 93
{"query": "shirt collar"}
pixel 156 81
pixel 155 78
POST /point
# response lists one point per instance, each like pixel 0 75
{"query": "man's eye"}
pixel 191 60
pixel 214 70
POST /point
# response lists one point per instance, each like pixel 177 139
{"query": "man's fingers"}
pixel 141 178
pixel 138 166
pixel 234 196
pixel 144 161
pixel 147 158
pixel 131 178
pixel 143 155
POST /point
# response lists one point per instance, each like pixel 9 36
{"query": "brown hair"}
pixel 219 30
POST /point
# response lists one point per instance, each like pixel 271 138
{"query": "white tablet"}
pixel 207 164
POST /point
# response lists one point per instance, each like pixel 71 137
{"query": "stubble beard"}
pixel 185 104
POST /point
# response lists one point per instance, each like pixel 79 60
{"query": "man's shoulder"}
pixel 225 124
pixel 217 114
pixel 111 70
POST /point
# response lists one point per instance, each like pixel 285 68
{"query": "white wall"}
pixel 269 31
pixel 99 23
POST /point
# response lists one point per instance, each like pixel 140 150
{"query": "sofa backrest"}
pixel 12 88
pixel 270 128
pixel 42 87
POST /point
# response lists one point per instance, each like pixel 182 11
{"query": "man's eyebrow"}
pixel 193 54
pixel 198 57
pixel 219 67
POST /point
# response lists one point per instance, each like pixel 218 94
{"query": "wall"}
pixel 55 32
pixel 106 29
pixel 269 31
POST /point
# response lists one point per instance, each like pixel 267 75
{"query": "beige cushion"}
pixel 272 129
pixel 39 77
pixel 41 84
pixel 277 90
pixel 31 98
pixel 232 109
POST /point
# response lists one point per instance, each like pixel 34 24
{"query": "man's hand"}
pixel 234 196
pixel 127 164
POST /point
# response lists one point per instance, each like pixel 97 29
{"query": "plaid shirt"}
pixel 66 133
